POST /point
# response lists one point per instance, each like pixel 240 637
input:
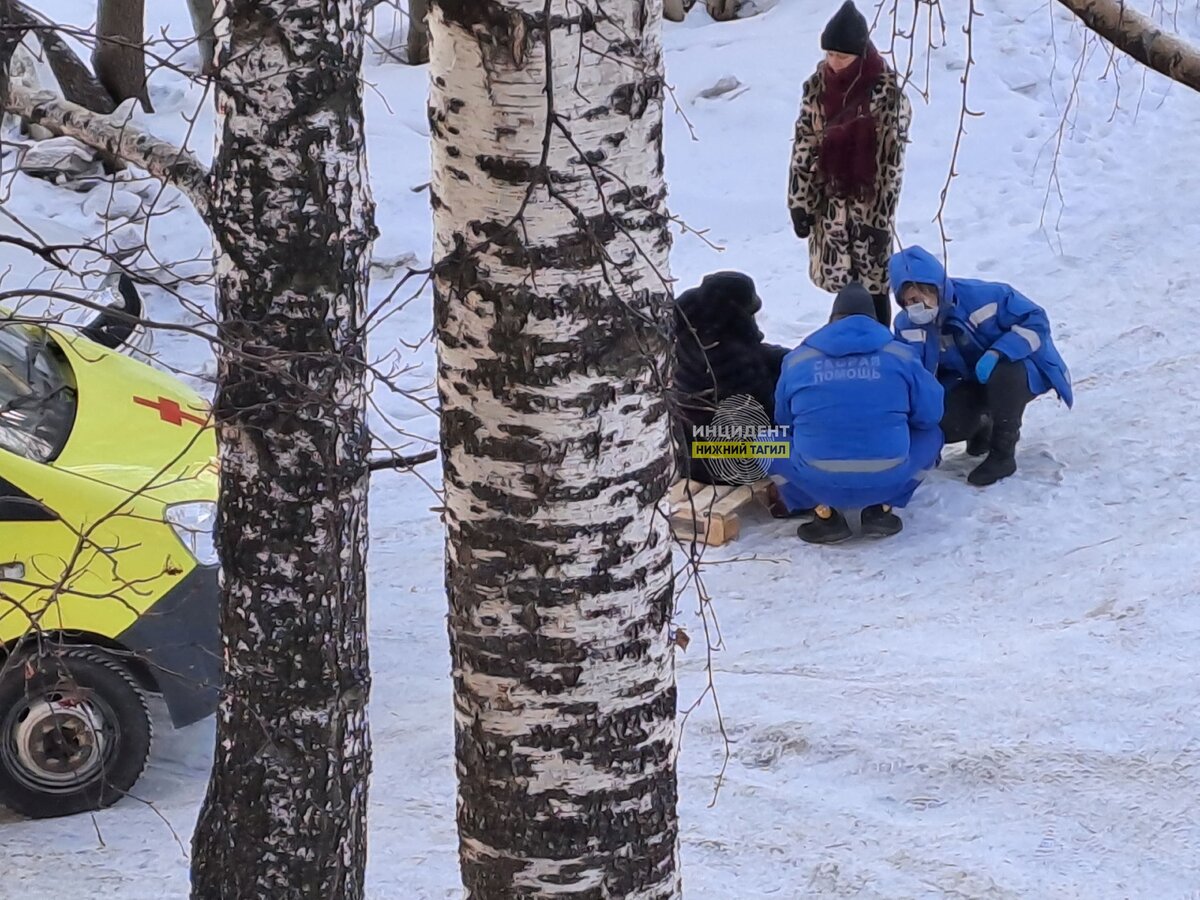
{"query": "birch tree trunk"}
pixel 119 57
pixel 292 218
pixel 417 41
pixel 202 24
pixel 552 345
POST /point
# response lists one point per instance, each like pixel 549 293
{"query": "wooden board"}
pixel 707 514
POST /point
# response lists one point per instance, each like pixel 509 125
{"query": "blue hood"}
pixel 851 336
pixel 918 265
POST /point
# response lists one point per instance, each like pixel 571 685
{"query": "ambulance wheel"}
pixel 75 732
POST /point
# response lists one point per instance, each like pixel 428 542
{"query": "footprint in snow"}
pixel 726 88
pixel 765 749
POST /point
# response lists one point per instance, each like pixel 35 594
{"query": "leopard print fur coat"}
pixel 850 239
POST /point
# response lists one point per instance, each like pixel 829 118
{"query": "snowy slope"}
pixel 998 703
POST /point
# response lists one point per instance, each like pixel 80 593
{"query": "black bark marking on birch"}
pixel 633 98
pixel 519 171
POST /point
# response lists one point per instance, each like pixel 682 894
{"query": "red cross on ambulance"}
pixel 170 411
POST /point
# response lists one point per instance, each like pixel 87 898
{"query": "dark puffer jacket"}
pixel 719 353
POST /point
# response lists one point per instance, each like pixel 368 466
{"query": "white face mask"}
pixel 920 314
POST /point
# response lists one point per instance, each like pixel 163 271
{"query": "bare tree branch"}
pixel 78 83
pixel 1140 37
pixel 401 462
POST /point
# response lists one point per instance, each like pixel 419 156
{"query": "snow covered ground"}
pixel 1000 702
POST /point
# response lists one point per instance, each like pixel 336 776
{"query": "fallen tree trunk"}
pixel 1140 37
pixel 113 134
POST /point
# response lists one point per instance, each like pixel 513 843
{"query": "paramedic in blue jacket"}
pixel 990 347
pixel 863 413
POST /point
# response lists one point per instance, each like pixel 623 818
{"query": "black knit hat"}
pixel 852 300
pixel 735 289
pixel 847 31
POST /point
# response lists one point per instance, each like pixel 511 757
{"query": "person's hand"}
pixel 801 223
pixel 983 368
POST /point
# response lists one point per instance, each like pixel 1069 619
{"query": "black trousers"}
pixel 1000 404
pixel 883 308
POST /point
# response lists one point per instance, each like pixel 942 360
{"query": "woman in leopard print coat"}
pixel 847 161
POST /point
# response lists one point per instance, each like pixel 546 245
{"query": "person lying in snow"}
pixel 719 355
pixel 990 347
pixel 864 414
pixel 847 161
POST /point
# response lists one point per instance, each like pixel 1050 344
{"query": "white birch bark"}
pixel 285 813
pixel 552 343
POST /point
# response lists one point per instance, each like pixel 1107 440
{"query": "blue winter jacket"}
pixel 852 395
pixel 974 317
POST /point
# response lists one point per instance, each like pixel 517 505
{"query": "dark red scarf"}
pixel 846 159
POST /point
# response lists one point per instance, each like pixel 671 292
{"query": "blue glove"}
pixel 983 368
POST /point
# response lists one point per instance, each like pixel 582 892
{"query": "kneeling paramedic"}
pixel 991 349
pixel 863 413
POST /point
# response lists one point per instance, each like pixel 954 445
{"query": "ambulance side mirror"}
pixel 113 327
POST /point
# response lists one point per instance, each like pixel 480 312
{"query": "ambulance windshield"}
pixel 37 393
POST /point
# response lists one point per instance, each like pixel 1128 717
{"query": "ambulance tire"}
pixel 75 732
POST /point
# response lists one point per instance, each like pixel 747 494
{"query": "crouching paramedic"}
pixel 990 347
pixel 863 413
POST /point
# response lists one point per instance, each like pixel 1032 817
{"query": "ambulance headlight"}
pixel 194 523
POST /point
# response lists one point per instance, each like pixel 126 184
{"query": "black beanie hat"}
pixel 847 31
pixel 852 300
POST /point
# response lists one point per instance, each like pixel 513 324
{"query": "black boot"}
pixel 779 510
pixel 829 527
pixel 1001 459
pixel 981 441
pixel 883 309
pixel 1007 396
pixel 880 521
